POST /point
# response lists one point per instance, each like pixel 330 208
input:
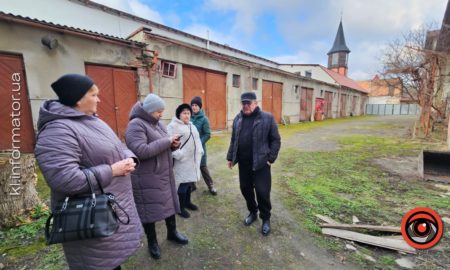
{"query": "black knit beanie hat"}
pixel 181 108
pixel 197 100
pixel 70 88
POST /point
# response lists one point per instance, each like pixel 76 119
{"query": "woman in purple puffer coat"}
pixel 72 137
pixel 153 182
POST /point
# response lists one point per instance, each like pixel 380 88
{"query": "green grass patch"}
pixel 344 183
pixel 26 238
pixel 388 262
pixel 205 239
pixel 53 258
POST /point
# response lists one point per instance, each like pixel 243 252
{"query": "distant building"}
pixel 383 91
pixel 344 99
pixel 347 97
pixel 386 97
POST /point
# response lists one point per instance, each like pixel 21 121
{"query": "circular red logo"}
pixel 422 228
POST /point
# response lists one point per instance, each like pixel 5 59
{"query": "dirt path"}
pixel 218 238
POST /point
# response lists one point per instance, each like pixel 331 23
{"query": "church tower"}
pixel 338 55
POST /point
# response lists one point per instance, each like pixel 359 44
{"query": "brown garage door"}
pixel 362 105
pixel 118 94
pixel 211 87
pixel 343 108
pixel 328 104
pixel 354 105
pixel 306 104
pixel 16 128
pixel 272 95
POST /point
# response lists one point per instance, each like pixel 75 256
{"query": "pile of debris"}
pixel 346 231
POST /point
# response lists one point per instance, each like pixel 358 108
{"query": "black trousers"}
pixel 259 182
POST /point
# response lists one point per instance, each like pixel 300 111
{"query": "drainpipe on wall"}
pixel 152 67
pixel 150 83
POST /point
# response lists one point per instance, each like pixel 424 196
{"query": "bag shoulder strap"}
pixel 90 178
pixel 190 135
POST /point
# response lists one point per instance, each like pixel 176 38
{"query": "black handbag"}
pixel 84 216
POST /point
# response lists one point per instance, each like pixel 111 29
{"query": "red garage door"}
pixel 118 94
pixel 306 104
pixel 211 87
pixel 16 128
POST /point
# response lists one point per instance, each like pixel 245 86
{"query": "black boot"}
pixel 153 246
pixel 189 205
pixel 173 234
pixel 265 229
pixel 183 212
pixel 250 219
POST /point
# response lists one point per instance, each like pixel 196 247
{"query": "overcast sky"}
pixel 294 31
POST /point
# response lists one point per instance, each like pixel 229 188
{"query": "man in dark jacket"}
pixel 255 143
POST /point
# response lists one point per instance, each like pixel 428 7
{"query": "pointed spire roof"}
pixel 339 42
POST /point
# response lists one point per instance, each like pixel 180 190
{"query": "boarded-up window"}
pixel 236 80
pixel 255 83
pixel 391 90
pixel 168 69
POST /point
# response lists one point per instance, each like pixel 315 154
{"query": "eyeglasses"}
pixel 246 102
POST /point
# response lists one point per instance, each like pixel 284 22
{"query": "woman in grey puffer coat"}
pixel 72 137
pixel 153 182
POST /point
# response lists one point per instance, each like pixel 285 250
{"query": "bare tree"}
pixel 417 68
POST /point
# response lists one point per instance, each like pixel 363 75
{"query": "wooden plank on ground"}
pixel 362 226
pixel 396 237
pixel 327 219
pixel 399 245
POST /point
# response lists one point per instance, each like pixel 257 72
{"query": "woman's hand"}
pixel 123 167
pixel 175 140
